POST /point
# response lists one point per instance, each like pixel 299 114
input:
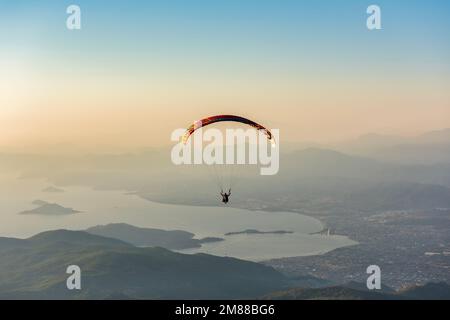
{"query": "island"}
pixel 253 231
pixel 149 237
pixel 49 209
pixel 53 190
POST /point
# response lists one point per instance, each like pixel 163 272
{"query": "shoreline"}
pixel 311 224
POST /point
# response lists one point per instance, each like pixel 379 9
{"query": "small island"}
pixel 149 237
pixel 209 240
pixel 253 231
pixel 49 209
pixel 53 190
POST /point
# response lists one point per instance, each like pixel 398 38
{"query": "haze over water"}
pixel 103 207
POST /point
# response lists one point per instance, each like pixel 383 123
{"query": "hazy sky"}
pixel 139 69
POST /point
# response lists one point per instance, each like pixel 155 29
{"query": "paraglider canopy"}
pixel 224 172
pixel 222 118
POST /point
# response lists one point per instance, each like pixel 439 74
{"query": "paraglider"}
pixel 225 196
pixel 220 173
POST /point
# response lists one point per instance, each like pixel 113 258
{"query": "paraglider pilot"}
pixel 225 196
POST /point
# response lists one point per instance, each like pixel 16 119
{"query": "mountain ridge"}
pixel 35 268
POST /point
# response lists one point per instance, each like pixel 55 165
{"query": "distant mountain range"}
pixel 313 162
pixel 360 175
pixel 428 148
pixel 322 179
pixel 314 179
pixel 431 137
pixel 399 196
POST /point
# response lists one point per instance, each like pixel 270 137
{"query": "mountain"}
pixel 147 237
pixel 35 268
pixel 430 291
pixel 311 179
pixel 328 293
pixel 254 231
pixel 330 163
pixel 434 137
pixel 363 287
pixel 316 180
pixel 378 140
pixel 50 209
pixel 399 196
pixel 372 140
pixel 52 189
pixel 73 238
pixel 428 148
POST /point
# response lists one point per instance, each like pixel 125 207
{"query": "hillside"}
pixel 430 291
pixel 35 268
pixel 148 237
pixel 329 293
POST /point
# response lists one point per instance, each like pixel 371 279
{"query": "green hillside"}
pixel 35 268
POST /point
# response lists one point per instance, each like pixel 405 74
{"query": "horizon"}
pixel 63 147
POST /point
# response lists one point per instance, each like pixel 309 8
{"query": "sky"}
pixel 137 70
